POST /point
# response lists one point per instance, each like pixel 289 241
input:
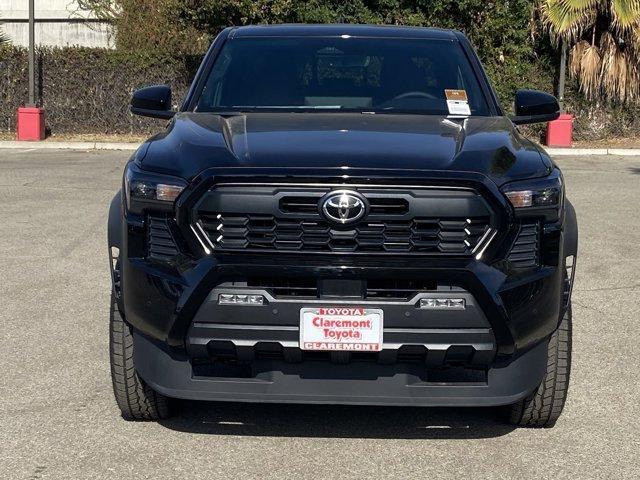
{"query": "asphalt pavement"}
pixel 58 418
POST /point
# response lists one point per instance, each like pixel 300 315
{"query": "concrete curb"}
pixel 577 151
pixel 133 146
pixel 559 152
pixel 69 145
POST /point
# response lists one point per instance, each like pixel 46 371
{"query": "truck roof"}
pixel 330 30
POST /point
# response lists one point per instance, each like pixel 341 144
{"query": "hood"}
pixel 325 142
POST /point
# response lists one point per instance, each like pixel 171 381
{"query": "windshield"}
pixel 425 76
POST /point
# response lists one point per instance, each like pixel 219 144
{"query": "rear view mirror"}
pixel 154 101
pixel 532 106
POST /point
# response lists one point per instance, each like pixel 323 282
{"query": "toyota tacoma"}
pixel 342 214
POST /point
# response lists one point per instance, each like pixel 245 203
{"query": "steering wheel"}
pixel 415 94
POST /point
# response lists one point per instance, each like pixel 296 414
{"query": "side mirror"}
pixel 532 106
pixel 153 102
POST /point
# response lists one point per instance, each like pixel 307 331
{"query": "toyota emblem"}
pixel 343 206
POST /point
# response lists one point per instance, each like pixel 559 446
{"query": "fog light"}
pixel 240 299
pixel 427 303
pixel 443 303
pixel 256 300
pixel 225 298
pixel 456 303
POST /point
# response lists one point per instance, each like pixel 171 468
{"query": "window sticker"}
pixel 457 102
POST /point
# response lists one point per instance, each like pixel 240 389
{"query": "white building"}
pixel 59 23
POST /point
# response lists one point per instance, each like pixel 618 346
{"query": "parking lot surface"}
pixel 58 418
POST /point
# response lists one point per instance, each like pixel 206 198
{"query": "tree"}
pixel 604 41
pixel 151 25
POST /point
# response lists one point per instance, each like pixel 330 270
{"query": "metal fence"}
pixel 88 90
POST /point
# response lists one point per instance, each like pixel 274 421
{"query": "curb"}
pixel 558 152
pixel 69 145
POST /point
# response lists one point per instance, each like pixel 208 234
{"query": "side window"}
pixel 212 90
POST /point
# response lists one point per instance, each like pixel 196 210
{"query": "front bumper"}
pixel 171 374
pixel 163 303
pixel 171 307
pixel 510 345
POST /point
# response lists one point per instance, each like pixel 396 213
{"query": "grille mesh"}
pixel 265 232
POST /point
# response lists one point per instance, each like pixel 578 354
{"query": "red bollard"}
pixel 560 131
pixel 31 123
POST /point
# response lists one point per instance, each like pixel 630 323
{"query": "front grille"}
pixel 267 232
pixel 161 245
pixel 288 218
pixel 377 206
pixel 525 252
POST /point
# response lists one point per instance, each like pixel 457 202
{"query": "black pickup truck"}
pixel 342 214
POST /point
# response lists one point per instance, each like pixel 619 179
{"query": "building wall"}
pixel 59 23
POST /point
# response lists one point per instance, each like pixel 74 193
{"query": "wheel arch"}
pixel 114 227
pixel 114 245
pixel 570 230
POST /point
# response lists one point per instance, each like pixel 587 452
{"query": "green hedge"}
pixel 87 90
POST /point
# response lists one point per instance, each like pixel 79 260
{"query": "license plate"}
pixel 351 329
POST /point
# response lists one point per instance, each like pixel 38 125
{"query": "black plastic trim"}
pixel 570 230
pixel 114 226
pixel 171 374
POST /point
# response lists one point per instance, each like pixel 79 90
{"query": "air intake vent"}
pixel 161 243
pixel 286 287
pixel 301 204
pixel 525 252
pixel 383 289
pixel 398 289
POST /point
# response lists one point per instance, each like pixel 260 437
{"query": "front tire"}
pixel 137 401
pixel 543 407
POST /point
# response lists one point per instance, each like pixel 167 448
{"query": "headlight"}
pixel 542 196
pixel 150 191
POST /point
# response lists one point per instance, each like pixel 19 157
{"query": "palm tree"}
pixel 604 41
pixel 3 38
